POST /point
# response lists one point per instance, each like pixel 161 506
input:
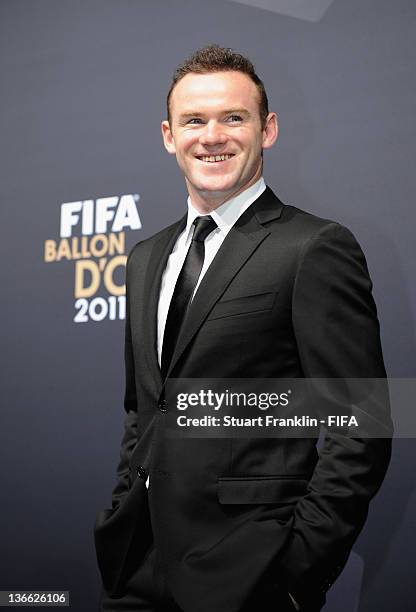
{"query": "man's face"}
pixel 216 135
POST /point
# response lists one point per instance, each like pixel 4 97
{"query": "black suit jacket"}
pixel 288 295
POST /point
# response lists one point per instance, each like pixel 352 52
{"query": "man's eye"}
pixel 194 121
pixel 234 118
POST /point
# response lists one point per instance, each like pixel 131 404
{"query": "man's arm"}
pixel 130 406
pixel 337 333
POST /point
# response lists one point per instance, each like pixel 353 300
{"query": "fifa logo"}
pixel 92 233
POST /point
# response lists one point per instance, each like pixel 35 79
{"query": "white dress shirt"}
pixel 225 216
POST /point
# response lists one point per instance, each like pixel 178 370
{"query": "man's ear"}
pixel 270 131
pixel 168 140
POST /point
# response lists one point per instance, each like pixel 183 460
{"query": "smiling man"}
pixel 242 287
pixel 218 127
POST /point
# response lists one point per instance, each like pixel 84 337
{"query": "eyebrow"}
pixel 232 111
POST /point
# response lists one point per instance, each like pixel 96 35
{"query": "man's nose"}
pixel 213 134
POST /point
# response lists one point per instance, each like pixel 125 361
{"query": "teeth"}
pixel 214 158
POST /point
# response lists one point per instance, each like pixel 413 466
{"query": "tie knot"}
pixel 203 227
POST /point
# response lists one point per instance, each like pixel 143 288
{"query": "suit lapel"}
pixel 157 263
pixel 240 243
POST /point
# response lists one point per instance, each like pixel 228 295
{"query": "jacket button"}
pixel 163 405
pixel 141 472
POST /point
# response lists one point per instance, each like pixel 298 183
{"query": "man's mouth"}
pixel 212 159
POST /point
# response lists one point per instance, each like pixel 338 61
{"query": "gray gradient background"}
pixel 83 87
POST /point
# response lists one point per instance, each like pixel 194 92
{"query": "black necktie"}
pixel 184 288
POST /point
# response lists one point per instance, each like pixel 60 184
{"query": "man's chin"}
pixel 216 189
pixel 217 196
pixel 213 192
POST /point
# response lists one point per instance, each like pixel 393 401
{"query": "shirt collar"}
pixel 227 214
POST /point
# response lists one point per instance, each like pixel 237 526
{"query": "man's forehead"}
pixel 221 81
pixel 231 89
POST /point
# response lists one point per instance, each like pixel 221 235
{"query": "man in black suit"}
pixel 242 286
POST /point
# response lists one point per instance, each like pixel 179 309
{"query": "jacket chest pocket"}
pixel 243 305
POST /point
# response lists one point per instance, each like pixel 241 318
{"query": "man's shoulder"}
pixel 306 223
pixel 298 231
pixel 289 218
pixel 301 226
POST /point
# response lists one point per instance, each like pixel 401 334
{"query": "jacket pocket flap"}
pixel 243 305
pixel 261 490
